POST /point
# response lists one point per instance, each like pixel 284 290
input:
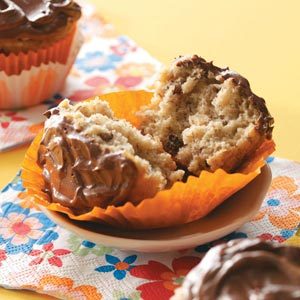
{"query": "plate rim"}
pixel 153 245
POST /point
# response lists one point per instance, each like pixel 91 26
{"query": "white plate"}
pixel 232 214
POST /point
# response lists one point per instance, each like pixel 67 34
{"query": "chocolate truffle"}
pixel 91 159
pixel 244 270
pixel 205 116
pixel 31 25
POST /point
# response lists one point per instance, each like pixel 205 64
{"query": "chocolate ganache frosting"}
pixel 79 173
pixel 24 21
pixel 245 270
pixel 35 18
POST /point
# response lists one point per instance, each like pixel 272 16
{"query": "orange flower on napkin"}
pixel 63 287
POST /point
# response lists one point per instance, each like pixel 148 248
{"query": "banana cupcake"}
pixel 242 270
pixel 143 161
pixel 91 159
pixel 206 117
pixel 39 41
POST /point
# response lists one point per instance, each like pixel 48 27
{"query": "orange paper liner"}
pixel 33 86
pixel 14 64
pixel 182 203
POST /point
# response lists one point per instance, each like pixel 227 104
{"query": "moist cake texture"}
pixel 205 116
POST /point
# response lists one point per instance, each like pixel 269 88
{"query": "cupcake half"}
pixel 206 117
pixel 91 159
pixel 95 165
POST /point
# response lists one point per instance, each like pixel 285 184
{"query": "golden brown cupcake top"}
pixel 23 20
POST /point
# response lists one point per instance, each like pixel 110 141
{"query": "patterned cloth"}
pixel 107 62
pixel 37 254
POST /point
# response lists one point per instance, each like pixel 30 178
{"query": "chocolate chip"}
pixel 224 123
pixel 173 144
pixel 50 112
pixel 47 114
pixel 177 90
pixel 106 136
pixel 55 111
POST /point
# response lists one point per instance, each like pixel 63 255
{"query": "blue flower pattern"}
pixel 118 267
pixel 270 159
pixel 287 233
pixel 88 244
pixel 15 185
pixel 97 60
pixel 273 202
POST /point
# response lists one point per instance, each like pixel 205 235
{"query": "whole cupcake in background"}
pixel 242 270
pixel 39 41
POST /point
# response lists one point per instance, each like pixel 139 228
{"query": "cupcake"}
pixel 38 45
pixel 242 270
pixel 206 117
pixel 143 160
pixel 93 163
pixel 92 159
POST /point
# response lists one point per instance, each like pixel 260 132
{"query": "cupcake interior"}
pixel 106 157
pixel 202 117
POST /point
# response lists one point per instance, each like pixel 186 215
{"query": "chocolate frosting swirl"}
pixel 81 174
pixel 246 269
pixel 32 19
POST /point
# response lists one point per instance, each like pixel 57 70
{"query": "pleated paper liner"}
pixel 27 79
pixel 182 203
pixel 15 63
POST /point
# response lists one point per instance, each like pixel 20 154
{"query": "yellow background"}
pixel 259 39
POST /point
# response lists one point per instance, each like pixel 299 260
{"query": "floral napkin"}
pixel 37 254
pixel 107 62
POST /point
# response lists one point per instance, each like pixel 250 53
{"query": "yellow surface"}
pixel 259 39
pixel 294 241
